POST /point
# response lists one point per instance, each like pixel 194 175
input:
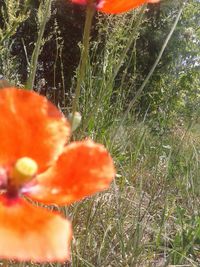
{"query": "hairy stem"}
pixel 84 55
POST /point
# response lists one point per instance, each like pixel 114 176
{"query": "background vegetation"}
pixel 147 117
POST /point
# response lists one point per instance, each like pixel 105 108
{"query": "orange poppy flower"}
pixel 116 6
pixel 36 163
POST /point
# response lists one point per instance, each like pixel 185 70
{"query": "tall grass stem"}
pixel 84 55
pixel 140 90
pixel 117 66
pixel 36 52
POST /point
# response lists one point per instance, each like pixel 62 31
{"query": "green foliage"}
pixel 12 15
pixel 173 90
pixel 186 242
pixel 150 215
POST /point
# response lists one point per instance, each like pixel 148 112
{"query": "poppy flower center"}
pixel 24 170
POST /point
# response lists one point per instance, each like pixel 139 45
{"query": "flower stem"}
pixel 46 12
pixel 84 55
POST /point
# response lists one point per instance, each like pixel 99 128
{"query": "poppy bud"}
pixel 74 120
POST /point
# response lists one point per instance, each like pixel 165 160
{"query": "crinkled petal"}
pixel 119 6
pixel 30 127
pixel 32 233
pixel 83 169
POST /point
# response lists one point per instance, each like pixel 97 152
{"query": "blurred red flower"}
pixel 116 6
pixel 35 162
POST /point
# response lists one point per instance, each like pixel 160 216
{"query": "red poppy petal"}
pixel 83 169
pixel 32 233
pixel 30 127
pixel 119 6
pixel 80 2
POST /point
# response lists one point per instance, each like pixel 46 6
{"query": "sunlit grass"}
pixel 150 215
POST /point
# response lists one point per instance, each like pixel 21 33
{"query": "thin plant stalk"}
pixel 84 55
pixel 34 59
